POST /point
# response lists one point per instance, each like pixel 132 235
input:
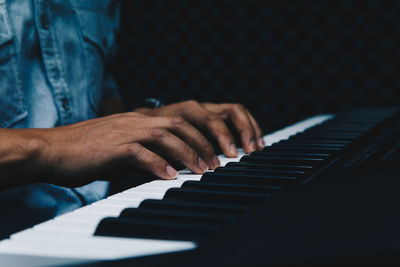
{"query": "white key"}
pixel 160 184
pixel 61 225
pixel 189 177
pixel 69 239
pixel 78 250
pixel 97 209
pixel 82 217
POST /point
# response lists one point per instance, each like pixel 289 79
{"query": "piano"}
pixel 323 190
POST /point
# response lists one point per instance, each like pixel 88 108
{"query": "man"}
pixel 53 146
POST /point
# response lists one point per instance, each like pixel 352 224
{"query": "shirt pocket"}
pixel 98 34
pixel 12 105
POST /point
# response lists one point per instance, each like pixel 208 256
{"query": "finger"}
pixel 174 147
pixel 241 121
pixel 147 160
pixel 213 124
pixel 190 135
pixel 259 135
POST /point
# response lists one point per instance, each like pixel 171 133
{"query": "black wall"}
pixel 284 60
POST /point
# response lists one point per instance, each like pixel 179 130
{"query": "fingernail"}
pixel 261 142
pixel 203 166
pixel 216 161
pixel 233 150
pixel 252 145
pixel 171 172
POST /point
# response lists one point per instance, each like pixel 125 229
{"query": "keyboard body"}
pixel 344 209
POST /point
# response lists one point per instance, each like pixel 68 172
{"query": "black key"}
pixel 214 196
pixel 342 127
pixel 246 171
pixel 320 142
pixel 156 229
pixel 180 216
pixel 248 179
pixel 334 132
pixel 354 120
pixel 327 136
pixel 283 160
pixel 278 167
pixel 194 206
pixel 357 121
pixel 291 142
pixel 291 154
pixel 233 187
pixel 317 141
pixel 303 149
pixel 340 130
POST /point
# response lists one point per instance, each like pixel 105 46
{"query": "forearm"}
pixel 20 153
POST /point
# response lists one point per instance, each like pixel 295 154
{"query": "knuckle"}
pixel 238 107
pixel 212 118
pixel 158 133
pixel 191 103
pixel 215 123
pixel 161 163
pixel 135 150
pixel 177 121
pixel 157 163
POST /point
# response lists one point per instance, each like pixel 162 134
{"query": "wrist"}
pixel 34 151
pixel 20 153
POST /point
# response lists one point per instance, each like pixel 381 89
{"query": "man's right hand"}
pixel 79 153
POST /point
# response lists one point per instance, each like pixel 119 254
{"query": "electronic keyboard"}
pixel 183 215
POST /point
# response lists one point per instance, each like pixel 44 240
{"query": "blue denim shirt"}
pixel 52 73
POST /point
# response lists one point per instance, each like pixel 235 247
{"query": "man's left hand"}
pixel 214 119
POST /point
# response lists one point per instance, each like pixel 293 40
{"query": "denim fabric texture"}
pixel 52 73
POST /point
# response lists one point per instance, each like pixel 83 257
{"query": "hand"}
pixel 100 148
pixel 213 119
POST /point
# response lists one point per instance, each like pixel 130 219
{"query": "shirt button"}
pixel 65 104
pixel 44 20
pixel 55 73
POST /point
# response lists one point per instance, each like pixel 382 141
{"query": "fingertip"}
pixel 232 152
pixel 171 172
pixel 216 162
pixel 261 143
pixel 252 146
pixel 203 166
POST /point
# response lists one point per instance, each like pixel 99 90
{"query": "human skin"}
pixel 106 147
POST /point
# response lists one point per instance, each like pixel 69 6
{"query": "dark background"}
pixel 284 60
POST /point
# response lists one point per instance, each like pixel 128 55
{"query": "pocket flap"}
pixel 5 32
pixel 96 28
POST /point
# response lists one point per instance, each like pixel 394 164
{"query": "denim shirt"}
pixel 52 72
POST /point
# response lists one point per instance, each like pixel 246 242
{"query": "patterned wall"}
pixel 284 60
